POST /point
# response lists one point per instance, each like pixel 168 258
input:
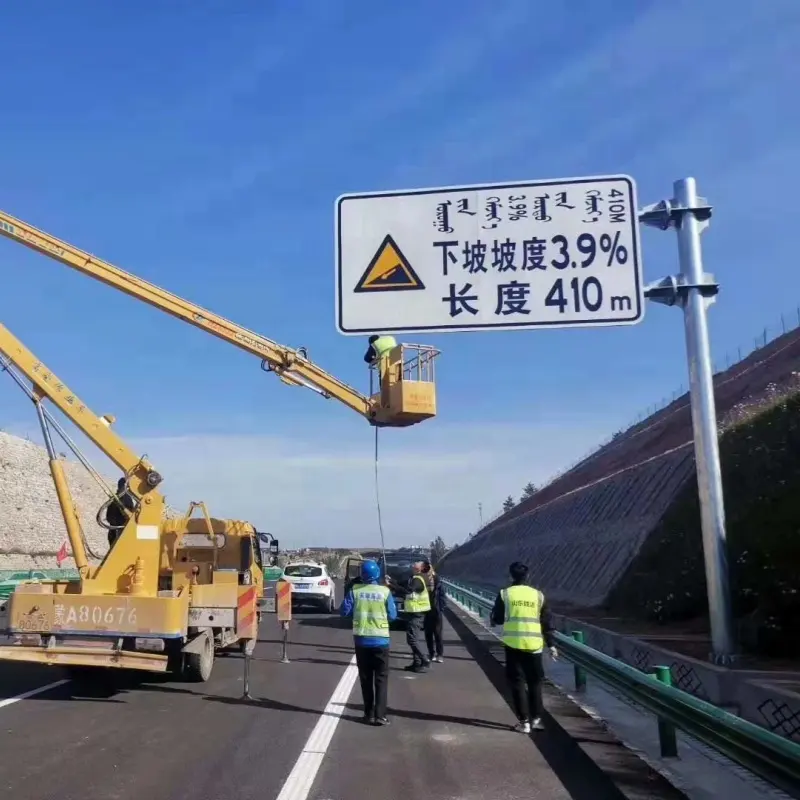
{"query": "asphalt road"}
pixel 164 740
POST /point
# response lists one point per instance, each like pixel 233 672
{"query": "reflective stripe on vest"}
pixel 522 627
pixel 369 611
pixel 383 345
pixel 419 601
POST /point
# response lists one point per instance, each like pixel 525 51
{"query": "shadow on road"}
pixel 581 777
pixel 357 708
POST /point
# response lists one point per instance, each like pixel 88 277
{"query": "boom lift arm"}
pixel 408 391
pixel 141 477
pixel 167 595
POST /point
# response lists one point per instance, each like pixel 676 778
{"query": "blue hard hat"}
pixel 370 571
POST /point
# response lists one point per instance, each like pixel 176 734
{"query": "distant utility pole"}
pixel 480 513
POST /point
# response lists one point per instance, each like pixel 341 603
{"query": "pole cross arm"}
pixel 667 214
pixel 673 289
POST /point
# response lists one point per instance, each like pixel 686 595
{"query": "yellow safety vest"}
pixel 369 610
pixel 522 627
pixel 383 345
pixel 419 601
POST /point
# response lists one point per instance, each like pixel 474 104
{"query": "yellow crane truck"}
pixel 168 594
pixel 162 596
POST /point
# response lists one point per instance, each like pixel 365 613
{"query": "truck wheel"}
pixel 197 667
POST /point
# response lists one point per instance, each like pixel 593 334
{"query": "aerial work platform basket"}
pixel 403 386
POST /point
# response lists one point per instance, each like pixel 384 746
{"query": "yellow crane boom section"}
pixel 142 477
pixel 289 364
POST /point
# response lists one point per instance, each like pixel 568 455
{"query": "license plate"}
pixel 302 585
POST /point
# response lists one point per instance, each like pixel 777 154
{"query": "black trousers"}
pixel 433 633
pixel 414 636
pixel 525 672
pixel 373 672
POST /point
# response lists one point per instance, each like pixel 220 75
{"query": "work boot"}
pixel 523 727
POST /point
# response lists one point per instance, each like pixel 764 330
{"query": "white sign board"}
pixel 543 254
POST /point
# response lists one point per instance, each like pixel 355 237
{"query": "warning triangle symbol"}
pixel 389 271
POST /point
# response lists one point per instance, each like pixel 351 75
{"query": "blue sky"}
pixel 202 145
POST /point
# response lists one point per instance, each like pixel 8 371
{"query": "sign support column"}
pixel 694 290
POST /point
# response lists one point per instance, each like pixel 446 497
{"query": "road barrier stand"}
pixel 283 593
pixel 247 630
pixel 766 754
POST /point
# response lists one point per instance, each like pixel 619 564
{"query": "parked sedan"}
pixel 312 584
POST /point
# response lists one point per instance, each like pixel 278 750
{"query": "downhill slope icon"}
pixel 389 271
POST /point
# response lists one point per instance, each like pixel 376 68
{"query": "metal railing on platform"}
pixel 766 754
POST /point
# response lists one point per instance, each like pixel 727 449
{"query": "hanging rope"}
pixel 378 498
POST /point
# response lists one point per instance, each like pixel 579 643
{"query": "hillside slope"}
pixel 31 526
pixel 623 526
pixel 761 478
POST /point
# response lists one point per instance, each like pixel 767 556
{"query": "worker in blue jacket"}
pixel 372 608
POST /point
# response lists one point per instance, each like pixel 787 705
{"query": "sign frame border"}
pixel 501 326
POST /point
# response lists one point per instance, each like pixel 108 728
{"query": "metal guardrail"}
pixel 771 757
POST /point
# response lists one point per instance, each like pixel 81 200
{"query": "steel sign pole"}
pixel 693 290
pixel 704 421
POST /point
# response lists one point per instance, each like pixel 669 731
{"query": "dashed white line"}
pixel 9 701
pixel 301 778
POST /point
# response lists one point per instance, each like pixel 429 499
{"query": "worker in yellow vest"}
pixel 527 629
pixel 417 604
pixel 372 608
pixel 379 346
pixel 377 355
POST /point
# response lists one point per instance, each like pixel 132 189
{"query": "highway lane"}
pixel 450 737
pixel 168 740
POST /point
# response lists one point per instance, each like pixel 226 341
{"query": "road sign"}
pixel 542 254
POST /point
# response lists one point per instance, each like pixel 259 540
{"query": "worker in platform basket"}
pixel 377 355
pixel 372 608
pixel 527 629
pixel 379 346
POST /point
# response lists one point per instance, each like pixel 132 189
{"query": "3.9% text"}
pixel 589 246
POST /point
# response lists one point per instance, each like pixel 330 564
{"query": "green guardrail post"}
pixel 580 674
pixel 667 739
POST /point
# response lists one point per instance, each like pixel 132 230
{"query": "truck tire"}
pixel 197 666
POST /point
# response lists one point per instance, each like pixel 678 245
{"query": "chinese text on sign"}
pixel 541 254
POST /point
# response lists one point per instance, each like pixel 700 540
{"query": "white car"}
pixel 311 583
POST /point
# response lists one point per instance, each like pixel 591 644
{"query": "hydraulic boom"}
pixel 168 594
pixel 408 392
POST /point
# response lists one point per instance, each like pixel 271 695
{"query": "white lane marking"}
pixel 9 701
pixel 301 778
